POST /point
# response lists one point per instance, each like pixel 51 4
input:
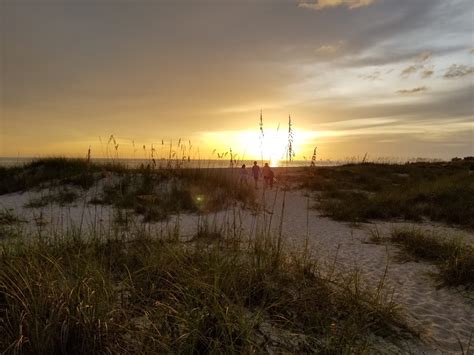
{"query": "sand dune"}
pixel 444 315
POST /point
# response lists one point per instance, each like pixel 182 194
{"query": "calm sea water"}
pixel 9 162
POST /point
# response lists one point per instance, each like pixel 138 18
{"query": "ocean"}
pixel 211 163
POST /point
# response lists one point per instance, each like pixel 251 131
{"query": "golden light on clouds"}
pixel 357 76
pixel 330 48
pixel 321 4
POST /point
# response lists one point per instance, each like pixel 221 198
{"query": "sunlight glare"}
pixel 272 147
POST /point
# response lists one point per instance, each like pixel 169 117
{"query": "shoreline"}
pixel 6 162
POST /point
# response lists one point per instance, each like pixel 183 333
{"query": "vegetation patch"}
pixel 151 192
pixel 8 217
pixel 359 192
pixel 146 295
pixel 10 225
pixel 454 258
pixel 62 197
pixel 155 194
pixel 54 171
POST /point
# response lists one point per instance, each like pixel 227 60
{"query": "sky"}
pixel 390 78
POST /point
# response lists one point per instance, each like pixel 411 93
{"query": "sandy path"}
pixel 446 316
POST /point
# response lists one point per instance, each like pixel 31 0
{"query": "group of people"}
pixel 266 172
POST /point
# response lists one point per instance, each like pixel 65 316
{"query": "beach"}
pixel 442 316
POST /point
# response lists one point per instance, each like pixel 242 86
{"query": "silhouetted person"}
pixel 268 175
pixel 243 176
pixel 255 173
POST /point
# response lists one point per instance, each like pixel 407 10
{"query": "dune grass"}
pixel 55 171
pixel 10 225
pixel 454 258
pixel 211 293
pixel 149 295
pixel 154 193
pixel 8 217
pixel 61 196
pixel 439 191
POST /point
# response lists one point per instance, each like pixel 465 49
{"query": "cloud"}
pixel 412 91
pixel 419 66
pixel 458 71
pixel 426 73
pixel 376 75
pixel 321 4
pixel 66 65
pixel 330 48
pixel 410 70
pixel 359 123
pixel 327 49
pixel 438 105
pixel 423 57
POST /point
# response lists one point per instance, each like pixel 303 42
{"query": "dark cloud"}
pixel 410 70
pixel 426 73
pixel 458 71
pixel 407 29
pixel 412 91
pixel 419 66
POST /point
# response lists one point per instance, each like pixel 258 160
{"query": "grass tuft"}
pixel 454 258
pixel 146 295
pixel 62 197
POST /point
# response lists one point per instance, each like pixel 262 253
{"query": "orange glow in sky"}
pixel 354 77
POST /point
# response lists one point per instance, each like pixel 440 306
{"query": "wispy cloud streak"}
pixel 412 91
pixel 321 4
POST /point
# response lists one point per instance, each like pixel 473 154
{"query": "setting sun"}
pixel 272 146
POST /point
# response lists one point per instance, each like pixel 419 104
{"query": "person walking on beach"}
pixel 255 173
pixel 268 174
pixel 243 176
pixel 271 178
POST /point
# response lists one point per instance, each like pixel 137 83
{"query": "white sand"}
pixel 445 315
